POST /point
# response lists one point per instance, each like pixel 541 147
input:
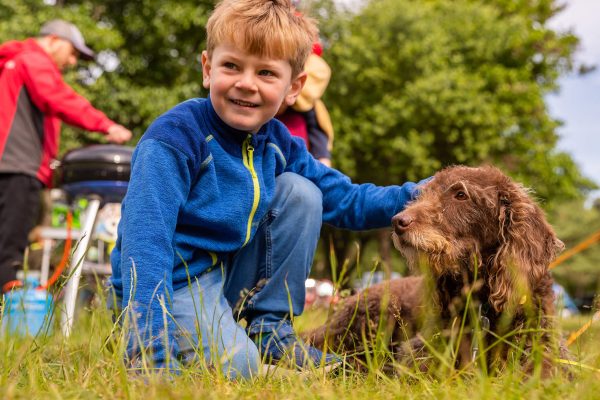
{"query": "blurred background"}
pixel 417 85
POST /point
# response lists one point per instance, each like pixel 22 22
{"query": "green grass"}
pixel 82 367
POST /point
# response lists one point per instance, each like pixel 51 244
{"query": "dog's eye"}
pixel 460 195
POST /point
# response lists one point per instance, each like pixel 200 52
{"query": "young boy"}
pixel 221 196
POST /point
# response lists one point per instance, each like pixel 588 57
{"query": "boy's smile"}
pixel 246 90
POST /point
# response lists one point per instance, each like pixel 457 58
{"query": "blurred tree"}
pixel 419 85
pixel 580 274
pixel 148 54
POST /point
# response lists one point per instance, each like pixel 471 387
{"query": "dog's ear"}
pixel 527 246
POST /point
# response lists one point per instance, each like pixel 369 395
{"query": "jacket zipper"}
pixel 248 159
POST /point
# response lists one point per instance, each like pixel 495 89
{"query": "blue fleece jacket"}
pixel 198 191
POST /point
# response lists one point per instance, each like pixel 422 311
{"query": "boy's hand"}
pixel 419 186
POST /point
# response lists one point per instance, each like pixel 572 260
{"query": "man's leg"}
pixel 207 328
pixel 19 207
pixel 280 255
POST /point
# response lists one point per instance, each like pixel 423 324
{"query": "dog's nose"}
pixel 401 222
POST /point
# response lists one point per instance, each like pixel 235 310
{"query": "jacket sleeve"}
pixel 346 204
pixel 159 185
pixel 53 96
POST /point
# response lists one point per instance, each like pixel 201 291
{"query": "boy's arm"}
pixel 159 184
pixel 348 205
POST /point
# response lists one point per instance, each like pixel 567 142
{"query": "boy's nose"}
pixel 246 82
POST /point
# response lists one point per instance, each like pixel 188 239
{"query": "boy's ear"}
pixel 295 89
pixel 205 70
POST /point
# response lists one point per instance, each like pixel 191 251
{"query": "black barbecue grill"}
pixel 100 173
pixel 101 170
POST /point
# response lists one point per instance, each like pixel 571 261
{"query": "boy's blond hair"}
pixel 268 28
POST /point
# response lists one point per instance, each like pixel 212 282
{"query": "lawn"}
pixel 83 367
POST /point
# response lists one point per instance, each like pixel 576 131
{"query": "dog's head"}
pixel 467 218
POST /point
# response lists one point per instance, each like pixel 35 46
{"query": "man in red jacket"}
pixel 33 101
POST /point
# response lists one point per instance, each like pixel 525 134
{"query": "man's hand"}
pixel 118 134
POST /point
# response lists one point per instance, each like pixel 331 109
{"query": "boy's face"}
pixel 247 90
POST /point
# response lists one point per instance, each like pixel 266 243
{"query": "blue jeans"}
pixel 281 252
pixel 206 327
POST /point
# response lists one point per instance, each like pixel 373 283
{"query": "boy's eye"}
pixel 229 65
pixel 266 72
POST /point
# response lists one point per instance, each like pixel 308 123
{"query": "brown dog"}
pixel 486 247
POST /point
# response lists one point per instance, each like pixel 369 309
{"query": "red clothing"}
pixel 33 100
pixel 296 123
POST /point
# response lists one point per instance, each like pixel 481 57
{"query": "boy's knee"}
pixel 297 191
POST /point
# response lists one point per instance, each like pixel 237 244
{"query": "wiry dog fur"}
pixel 486 247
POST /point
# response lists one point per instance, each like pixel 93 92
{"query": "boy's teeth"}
pixel 244 103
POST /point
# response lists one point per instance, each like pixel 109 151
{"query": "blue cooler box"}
pixel 27 310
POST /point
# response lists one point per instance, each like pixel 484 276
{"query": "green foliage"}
pixel 159 55
pixel 156 44
pixel 419 85
pixel 574 224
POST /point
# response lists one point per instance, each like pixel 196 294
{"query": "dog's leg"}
pixel 413 354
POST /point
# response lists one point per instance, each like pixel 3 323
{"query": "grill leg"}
pixel 68 312
pixel 45 261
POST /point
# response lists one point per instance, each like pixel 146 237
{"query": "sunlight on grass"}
pixel 83 367
pixel 89 364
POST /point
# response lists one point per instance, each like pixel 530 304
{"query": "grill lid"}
pixel 101 162
pixel 100 153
